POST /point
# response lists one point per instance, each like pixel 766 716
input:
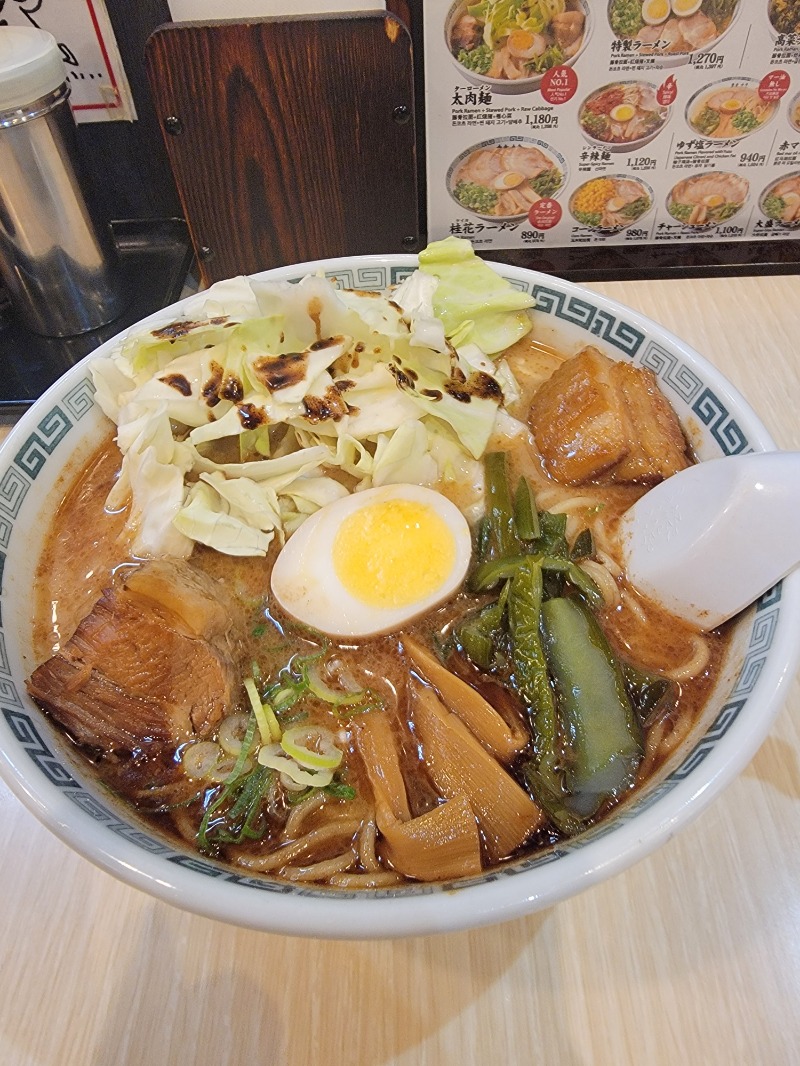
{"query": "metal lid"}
pixel 30 66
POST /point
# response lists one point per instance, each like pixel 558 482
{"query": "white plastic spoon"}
pixel 710 540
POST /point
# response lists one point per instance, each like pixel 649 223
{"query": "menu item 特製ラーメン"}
pixel 671 27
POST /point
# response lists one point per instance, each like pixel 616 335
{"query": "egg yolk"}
pixel 655 10
pixel 521 40
pixel 509 179
pixel 622 112
pixel 394 553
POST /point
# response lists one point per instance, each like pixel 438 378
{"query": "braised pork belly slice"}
pixel 149 663
pixel 598 420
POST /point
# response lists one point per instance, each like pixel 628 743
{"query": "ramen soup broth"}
pixel 332 837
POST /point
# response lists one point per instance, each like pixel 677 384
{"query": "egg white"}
pixel 304 580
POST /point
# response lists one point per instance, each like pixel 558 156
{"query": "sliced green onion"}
pixel 232 732
pixel 275 757
pixel 268 725
pixel 225 767
pixel 232 783
pixel 313 747
pixel 323 691
pixel 199 760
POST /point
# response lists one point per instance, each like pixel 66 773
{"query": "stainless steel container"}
pixel 57 258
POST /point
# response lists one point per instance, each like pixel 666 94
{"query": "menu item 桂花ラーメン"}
pixel 505 178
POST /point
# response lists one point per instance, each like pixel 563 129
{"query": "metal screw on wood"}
pixel 173 125
pixel 204 252
pixel 401 114
pixel 410 243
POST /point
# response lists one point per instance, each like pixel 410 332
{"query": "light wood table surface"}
pixel 691 957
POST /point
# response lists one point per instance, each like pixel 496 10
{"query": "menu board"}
pixel 564 123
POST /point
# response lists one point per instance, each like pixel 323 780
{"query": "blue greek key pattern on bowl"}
pixel 580 312
pixel 5 669
pixel 674 374
pixel 713 413
pixel 13 490
pixel 27 735
pixel 52 429
pixel 770 597
pixel 8 691
pixel 80 399
pixel 192 863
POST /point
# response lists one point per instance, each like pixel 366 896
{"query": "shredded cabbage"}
pixel 474 303
pixel 316 392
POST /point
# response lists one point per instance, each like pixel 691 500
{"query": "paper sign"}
pixel 98 86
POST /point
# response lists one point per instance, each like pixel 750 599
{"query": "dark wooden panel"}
pixel 294 138
pixel 125 162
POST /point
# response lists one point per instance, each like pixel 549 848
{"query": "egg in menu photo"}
pixel 655 12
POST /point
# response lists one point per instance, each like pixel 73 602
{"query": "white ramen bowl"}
pixel 41 768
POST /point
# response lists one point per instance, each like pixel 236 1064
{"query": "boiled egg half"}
pixel 683 8
pixel 522 44
pixel 373 561
pixel 622 113
pixel 509 179
pixel 655 12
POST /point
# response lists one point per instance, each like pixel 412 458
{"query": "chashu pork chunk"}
pixel 598 420
pixel 150 662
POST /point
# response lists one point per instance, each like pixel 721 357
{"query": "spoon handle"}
pixel 710 540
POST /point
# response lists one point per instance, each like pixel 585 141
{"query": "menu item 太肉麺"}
pixel 516 40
